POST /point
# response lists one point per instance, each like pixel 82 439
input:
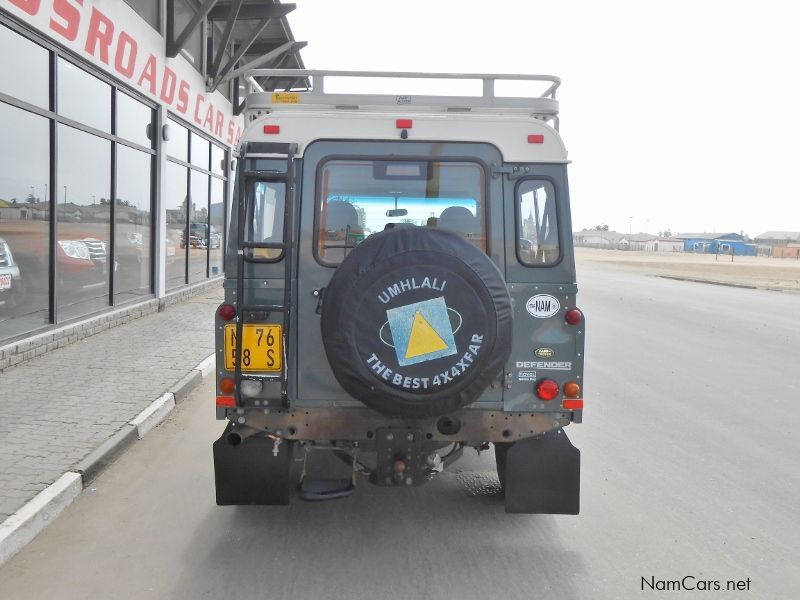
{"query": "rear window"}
pixel 537 227
pixel 358 198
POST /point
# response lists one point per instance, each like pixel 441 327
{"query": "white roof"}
pixel 505 122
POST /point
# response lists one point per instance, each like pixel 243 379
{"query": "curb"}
pixel 27 522
pixel 712 282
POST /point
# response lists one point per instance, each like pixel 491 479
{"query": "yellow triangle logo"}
pixel 423 339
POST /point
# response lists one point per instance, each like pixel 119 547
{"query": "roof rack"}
pixel 544 106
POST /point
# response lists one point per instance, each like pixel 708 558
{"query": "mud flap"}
pixel 543 475
pixel 249 473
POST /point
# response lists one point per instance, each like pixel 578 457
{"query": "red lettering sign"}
pixel 101 31
pixel 29 6
pixel 125 59
pixel 71 19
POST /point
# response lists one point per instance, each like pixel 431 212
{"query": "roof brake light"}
pixel 272 129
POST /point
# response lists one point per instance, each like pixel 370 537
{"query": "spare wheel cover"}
pixel 416 322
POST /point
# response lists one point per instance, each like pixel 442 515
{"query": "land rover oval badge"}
pixel 544 352
pixel 543 306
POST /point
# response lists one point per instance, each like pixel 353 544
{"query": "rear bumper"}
pixel 360 424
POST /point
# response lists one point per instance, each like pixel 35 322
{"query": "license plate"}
pixel 5 282
pixel 262 347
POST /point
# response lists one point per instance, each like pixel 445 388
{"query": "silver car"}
pixel 10 278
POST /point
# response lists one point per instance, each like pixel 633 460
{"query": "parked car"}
pixel 10 278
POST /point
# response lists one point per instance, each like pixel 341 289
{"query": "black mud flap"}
pixel 249 473
pixel 543 475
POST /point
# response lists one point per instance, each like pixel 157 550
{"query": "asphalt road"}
pixel 690 468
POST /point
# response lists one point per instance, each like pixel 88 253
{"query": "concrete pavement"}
pixel 688 451
pixel 55 410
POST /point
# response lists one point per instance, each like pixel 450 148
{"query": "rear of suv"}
pixel 400 286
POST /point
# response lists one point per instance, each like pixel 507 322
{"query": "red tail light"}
pixel 226 401
pixel 226 385
pixel 227 312
pixel 547 389
pixel 573 404
pixel 573 316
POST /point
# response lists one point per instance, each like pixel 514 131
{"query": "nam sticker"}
pixel 542 306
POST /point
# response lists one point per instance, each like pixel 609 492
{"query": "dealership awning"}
pixel 241 35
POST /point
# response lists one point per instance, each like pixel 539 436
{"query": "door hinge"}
pixel 512 172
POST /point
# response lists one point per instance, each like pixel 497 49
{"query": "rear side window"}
pixel 265 213
pixel 358 198
pixel 537 227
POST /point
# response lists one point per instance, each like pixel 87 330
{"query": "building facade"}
pixel 115 161
pixel 717 243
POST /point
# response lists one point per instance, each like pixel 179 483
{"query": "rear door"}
pixel 352 189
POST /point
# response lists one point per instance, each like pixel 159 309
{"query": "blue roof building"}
pixel 717 243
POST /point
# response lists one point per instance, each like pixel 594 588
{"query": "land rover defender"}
pixel 399 286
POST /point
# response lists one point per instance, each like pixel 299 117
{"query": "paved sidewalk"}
pixel 56 409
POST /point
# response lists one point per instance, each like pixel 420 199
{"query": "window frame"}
pixel 518 221
pixel 55 119
pixel 484 170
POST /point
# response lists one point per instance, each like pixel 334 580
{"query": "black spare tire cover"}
pixel 416 322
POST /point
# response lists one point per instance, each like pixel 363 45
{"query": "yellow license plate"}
pixel 262 347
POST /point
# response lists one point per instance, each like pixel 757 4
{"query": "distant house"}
pixel 770 243
pixel 661 244
pixel 717 243
pixel 788 251
pixel 597 239
pixel 637 241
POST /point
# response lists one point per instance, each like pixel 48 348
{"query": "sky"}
pixel 677 115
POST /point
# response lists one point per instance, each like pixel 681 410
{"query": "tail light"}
pixel 572 389
pixel 226 401
pixel 576 404
pixel 226 385
pixel 547 389
pixel 227 312
pixel 573 316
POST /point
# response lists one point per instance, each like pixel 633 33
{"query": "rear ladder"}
pixel 245 254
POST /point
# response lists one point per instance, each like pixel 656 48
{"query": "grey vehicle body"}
pixel 277 417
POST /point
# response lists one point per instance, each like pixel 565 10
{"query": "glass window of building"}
pixel 178 143
pixel 83 97
pixel 149 10
pixel 175 202
pixel 133 224
pixel 26 76
pixel 134 120
pixel 198 227
pixel 24 221
pixel 83 215
pixel 200 148
pixel 217 160
pixel 217 219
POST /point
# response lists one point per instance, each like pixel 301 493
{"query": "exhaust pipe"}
pixel 239 434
